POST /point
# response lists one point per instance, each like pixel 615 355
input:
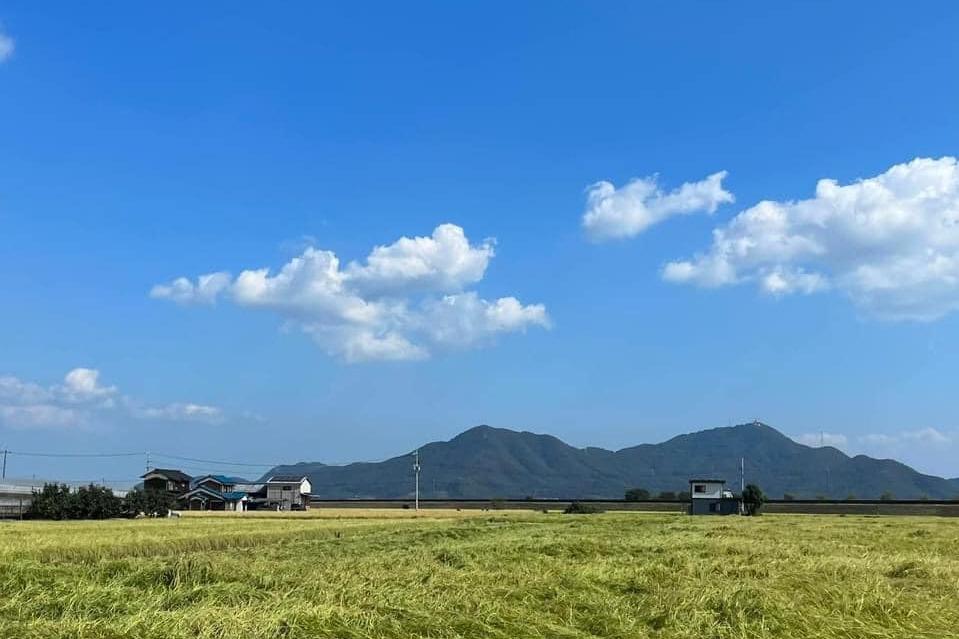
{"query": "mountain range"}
pixel 486 462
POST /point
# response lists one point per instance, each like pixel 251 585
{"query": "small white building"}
pixel 710 497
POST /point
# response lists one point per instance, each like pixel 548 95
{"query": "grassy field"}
pixel 450 574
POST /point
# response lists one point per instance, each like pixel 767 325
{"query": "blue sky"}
pixel 564 280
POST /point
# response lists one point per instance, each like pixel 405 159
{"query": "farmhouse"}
pixel 710 497
pixel 166 480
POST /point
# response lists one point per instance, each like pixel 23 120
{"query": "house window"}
pixel 699 488
pixel 287 488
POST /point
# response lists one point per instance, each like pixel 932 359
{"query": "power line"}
pixel 26 454
pixel 214 462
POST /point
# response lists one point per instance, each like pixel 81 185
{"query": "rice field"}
pixel 381 573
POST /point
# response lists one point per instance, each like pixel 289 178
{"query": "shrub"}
pixel 753 499
pixel 788 497
pixel 667 495
pixel 637 494
pixel 887 496
pixel 579 508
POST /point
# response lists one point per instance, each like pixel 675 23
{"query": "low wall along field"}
pixel 380 573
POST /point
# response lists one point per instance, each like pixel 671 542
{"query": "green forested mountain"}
pixel 486 462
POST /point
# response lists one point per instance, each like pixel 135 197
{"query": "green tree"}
pixel 753 499
pixel 637 494
pixel 788 497
pixel 57 501
pixel 667 495
pixel 50 502
pixel 155 503
pixel 887 496
pixel 95 502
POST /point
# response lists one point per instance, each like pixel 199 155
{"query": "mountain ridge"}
pixel 487 462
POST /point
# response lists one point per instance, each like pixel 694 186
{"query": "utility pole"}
pixel 416 473
pixel 742 485
pixel 148 461
pixel 3 475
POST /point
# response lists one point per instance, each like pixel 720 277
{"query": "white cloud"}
pixel 466 319
pixel 931 436
pixel 81 400
pixel 178 412
pixel 443 262
pixel 83 384
pixel 183 291
pixel 7 46
pixel 815 440
pixel 929 450
pixel 38 416
pixel 890 243
pixel 613 213
pixel 403 302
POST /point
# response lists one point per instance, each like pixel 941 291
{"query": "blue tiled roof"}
pixel 202 489
pixel 226 480
pixel 234 496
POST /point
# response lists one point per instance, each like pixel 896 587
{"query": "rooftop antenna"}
pixel 416 473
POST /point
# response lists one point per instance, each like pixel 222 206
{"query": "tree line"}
pixel 641 494
pixel 58 501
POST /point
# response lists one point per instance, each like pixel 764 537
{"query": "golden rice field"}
pixel 481 574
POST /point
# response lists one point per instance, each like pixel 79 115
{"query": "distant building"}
pixel 167 480
pixel 710 497
pixel 218 483
pixel 221 492
pixel 290 492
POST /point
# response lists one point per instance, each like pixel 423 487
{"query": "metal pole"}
pixel 416 472
pixel 4 474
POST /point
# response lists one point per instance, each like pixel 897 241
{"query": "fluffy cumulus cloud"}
pixel 81 400
pixel 6 46
pixel 890 243
pixel 404 301
pixel 613 213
